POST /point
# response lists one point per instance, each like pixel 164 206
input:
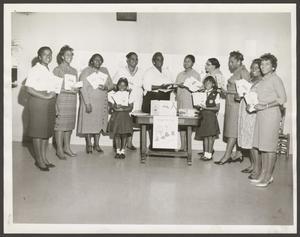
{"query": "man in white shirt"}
pixel 156 80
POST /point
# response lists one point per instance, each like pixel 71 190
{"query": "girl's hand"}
pixel 260 107
pixel 88 108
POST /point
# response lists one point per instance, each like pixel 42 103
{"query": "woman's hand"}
pixel 101 87
pixel 88 108
pixel 260 107
pixel 237 97
pixel 50 95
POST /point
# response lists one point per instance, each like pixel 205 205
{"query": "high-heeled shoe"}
pixel 265 184
pixel 61 157
pixel 50 165
pixel 239 159
pixel 71 154
pixel 89 149
pixel 220 162
pixel 97 148
pixel 247 170
pixel 41 168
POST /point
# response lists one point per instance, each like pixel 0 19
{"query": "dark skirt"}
pixel 66 112
pixel 120 123
pixel 153 96
pixel 41 117
pixel 209 125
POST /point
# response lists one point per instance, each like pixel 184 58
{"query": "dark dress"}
pixel 209 125
pixel 120 123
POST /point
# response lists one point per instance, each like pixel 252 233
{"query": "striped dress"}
pixel 66 101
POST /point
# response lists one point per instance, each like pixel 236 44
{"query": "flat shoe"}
pixel 98 149
pixel 117 156
pixel 247 170
pixel 122 156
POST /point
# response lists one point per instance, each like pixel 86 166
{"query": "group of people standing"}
pixel 255 131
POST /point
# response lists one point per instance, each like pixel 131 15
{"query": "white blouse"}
pixel 153 77
pixel 39 78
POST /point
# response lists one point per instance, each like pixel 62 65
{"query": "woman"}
pixel 93 109
pixel 184 96
pixel 156 78
pixel 246 123
pixel 41 104
pixel 232 105
pixel 212 68
pixel 134 77
pixel 271 95
pixel 65 104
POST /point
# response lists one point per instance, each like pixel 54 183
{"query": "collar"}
pixel 134 72
pixel 269 75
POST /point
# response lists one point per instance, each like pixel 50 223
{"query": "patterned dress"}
pixel 66 101
pixel 246 123
pixel 97 120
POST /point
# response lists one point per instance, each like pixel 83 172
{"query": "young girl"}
pixel 209 127
pixel 120 124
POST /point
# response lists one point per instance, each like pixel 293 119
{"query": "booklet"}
pixel 252 100
pixel 121 98
pixel 199 98
pixel 96 79
pixel 243 87
pixel 55 84
pixel 70 81
pixel 192 84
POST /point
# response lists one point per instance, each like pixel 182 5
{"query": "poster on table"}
pixel 165 132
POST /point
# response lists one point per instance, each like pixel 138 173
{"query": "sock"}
pixel 206 154
pixel 209 155
pixel 118 151
pixel 122 151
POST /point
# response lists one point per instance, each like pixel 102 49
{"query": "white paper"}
pixel 55 84
pixel 251 100
pixel 199 98
pixel 165 132
pixel 70 81
pixel 121 98
pixel 96 79
pixel 243 87
pixel 192 84
pixel 163 108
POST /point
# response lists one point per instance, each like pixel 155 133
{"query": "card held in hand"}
pixel 96 79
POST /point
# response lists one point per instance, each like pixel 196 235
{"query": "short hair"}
pixel 214 62
pixel 271 58
pixel 130 54
pixel 42 49
pixel 191 57
pixel 121 79
pixel 156 55
pixel 93 57
pixel 237 55
pixel 62 52
pixel 212 80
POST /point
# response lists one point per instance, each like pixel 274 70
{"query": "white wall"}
pixel 175 34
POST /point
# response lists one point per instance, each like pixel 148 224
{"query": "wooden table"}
pixel 186 122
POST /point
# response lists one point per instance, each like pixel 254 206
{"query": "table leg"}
pixel 189 144
pixel 143 143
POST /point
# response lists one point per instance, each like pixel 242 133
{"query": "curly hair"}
pixel 61 53
pixel 271 58
pixel 93 57
pixel 212 80
pixel 237 55
pixel 214 62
